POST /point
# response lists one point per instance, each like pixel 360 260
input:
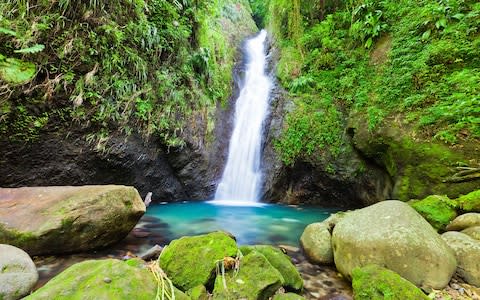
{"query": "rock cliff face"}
pixel 346 181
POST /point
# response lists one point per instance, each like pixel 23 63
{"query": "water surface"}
pixel 261 224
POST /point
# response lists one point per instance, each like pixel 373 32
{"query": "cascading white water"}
pixel 242 176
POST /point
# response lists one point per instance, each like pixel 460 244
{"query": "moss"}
pixel 287 296
pixel 281 262
pixel 85 280
pixel 256 279
pixel 437 210
pixel 376 283
pixel 470 202
pixel 198 293
pixel 191 261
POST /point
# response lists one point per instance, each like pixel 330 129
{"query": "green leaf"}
pixel 34 49
pixel 7 31
pixel 16 71
pixel 426 35
pixel 458 16
pixel 442 23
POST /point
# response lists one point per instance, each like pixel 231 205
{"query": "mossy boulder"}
pixel 280 261
pixel 394 235
pixel 56 220
pixel 256 279
pixel 470 202
pixel 376 283
pixel 437 210
pixel 18 274
pixel 191 261
pixel 467 252
pixel 464 221
pixel 103 280
pixel 288 296
pixel 316 242
pixel 418 168
pixel 473 232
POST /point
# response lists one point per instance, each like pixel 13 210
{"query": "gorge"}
pixel 369 107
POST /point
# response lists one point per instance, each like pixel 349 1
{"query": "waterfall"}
pixel 241 180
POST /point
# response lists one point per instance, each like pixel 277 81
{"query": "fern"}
pixel 8 31
pixel 34 49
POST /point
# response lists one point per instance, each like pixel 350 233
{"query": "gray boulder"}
pixel 467 251
pixel 316 242
pixel 18 274
pixel 473 232
pixel 393 235
pixel 62 219
pixel 464 221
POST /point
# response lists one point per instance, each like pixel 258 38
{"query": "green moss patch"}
pixel 376 283
pixel 192 261
pixel 100 279
pixel 437 210
pixel 256 279
pixel 470 202
pixel 281 262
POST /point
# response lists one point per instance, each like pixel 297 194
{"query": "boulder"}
pixel 394 235
pixel 373 282
pixel 288 296
pixel 316 242
pixel 473 232
pixel 191 261
pixel 467 251
pixel 437 210
pixel 55 220
pixel 256 279
pixel 470 202
pixel 104 280
pixel 18 274
pixel 464 221
pixel 280 261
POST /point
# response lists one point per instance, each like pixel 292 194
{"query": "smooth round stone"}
pixel 18 273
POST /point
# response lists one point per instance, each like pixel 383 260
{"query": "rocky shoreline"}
pixel 409 250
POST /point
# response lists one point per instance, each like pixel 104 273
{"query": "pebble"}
pixel 107 280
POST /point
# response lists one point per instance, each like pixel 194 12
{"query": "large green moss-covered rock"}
pixel 418 168
pixel 437 210
pixel 281 262
pixel 394 235
pixel 191 261
pixel 55 220
pixel 470 202
pixel 103 280
pixel 376 283
pixel 467 251
pixel 256 279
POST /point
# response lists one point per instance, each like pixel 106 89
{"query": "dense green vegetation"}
pixel 414 61
pixel 115 65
